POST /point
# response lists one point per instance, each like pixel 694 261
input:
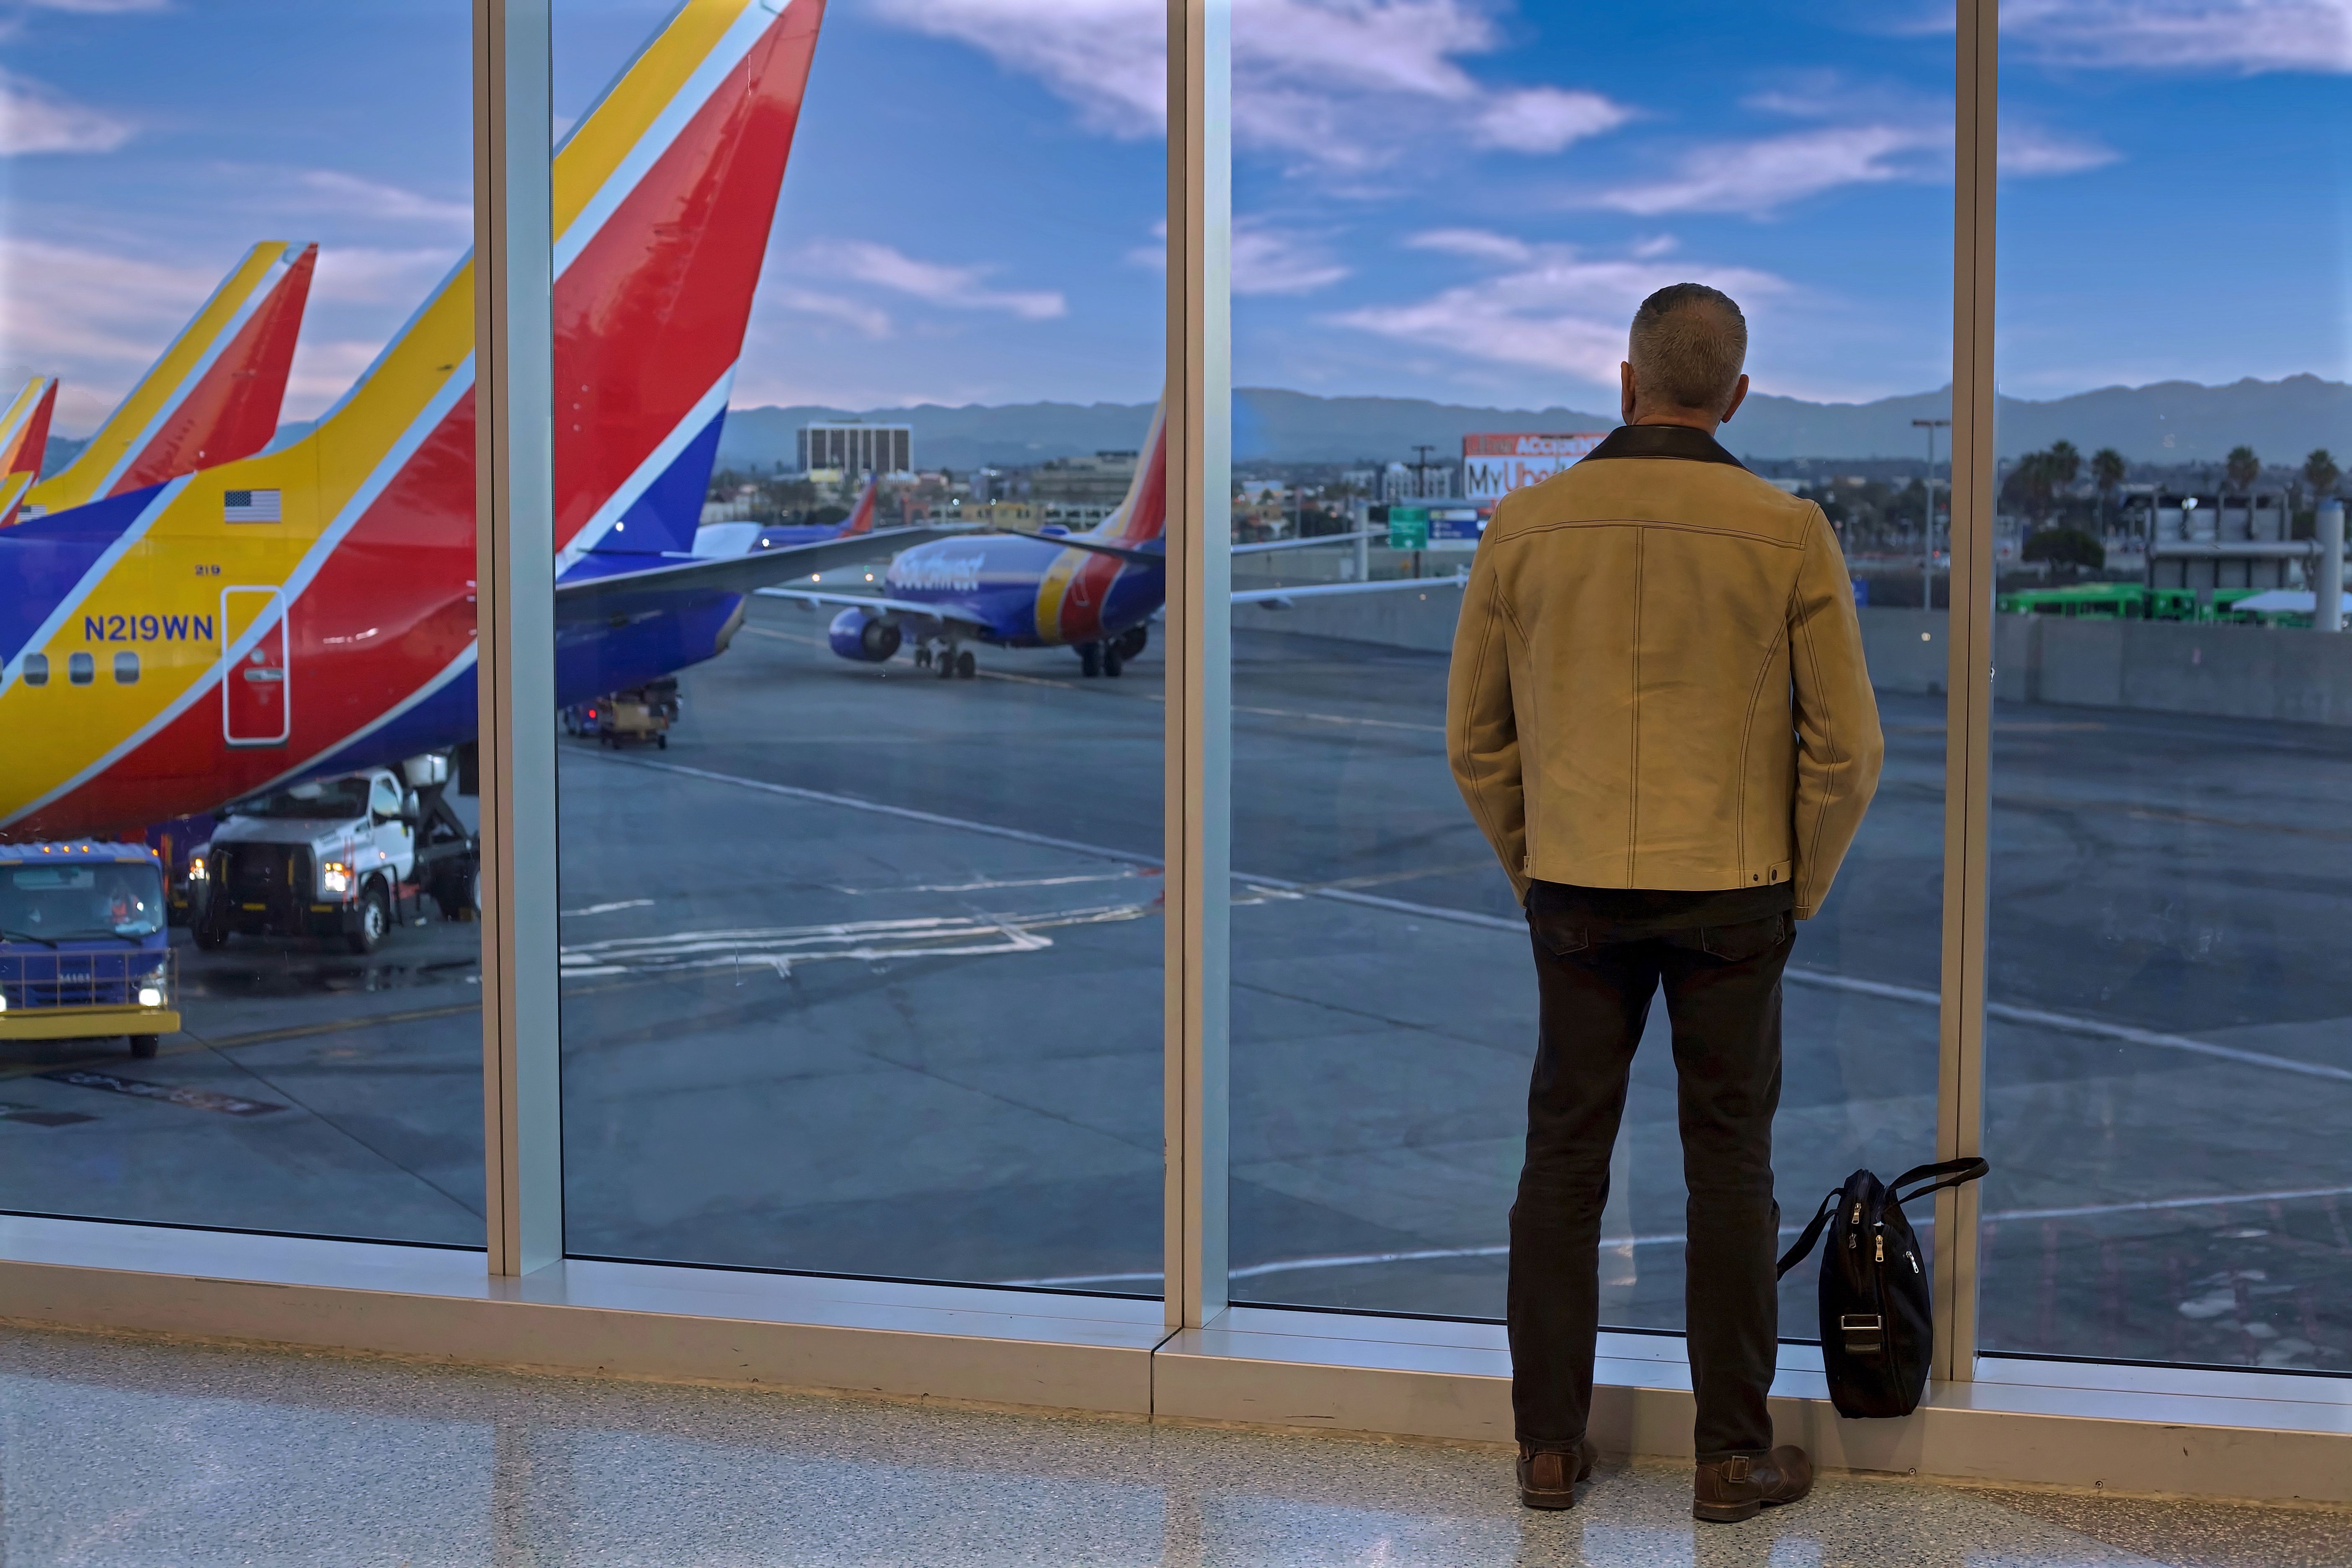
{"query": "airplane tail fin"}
pixel 1142 517
pixel 213 398
pixel 665 195
pixel 861 516
pixel 23 437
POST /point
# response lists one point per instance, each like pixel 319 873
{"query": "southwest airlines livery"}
pixel 24 437
pixel 213 398
pixel 309 609
pixel 1097 590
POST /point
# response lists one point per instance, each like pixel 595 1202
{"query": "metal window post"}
pixel 514 546
pixel 1199 798
pixel 1968 744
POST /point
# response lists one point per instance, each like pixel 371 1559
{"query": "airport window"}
pixel 1384 995
pixel 318 970
pixel 2168 1078
pixel 860 947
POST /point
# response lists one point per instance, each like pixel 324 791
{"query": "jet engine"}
pixel 854 635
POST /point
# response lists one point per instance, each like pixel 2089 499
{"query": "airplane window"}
pixel 36 669
pixel 80 668
pixel 126 668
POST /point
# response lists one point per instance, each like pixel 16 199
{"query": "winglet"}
pixel 24 437
pixel 213 398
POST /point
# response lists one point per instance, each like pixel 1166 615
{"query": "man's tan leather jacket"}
pixel 1658 679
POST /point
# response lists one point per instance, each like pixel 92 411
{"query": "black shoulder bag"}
pixel 1877 1300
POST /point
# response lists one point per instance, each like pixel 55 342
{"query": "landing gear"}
pixel 944 666
pixel 923 656
pixel 1090 659
pixel 966 667
pixel 1111 662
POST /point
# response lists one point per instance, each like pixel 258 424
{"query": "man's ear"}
pixel 1626 394
pixel 1739 397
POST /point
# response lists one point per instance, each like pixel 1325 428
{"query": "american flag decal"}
pixel 250 506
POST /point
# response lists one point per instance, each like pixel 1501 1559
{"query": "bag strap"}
pixel 1797 1254
pixel 1951 1173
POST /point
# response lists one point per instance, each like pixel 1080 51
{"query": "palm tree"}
pixel 2108 469
pixel 2320 472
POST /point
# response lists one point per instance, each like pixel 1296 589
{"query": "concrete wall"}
pixel 2235 672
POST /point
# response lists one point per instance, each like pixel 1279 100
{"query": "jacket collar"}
pixel 1663 441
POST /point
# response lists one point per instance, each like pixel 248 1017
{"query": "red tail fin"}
pixel 23 438
pixel 1142 517
pixel 861 516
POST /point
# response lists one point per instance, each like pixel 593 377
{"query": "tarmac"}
pixel 862 974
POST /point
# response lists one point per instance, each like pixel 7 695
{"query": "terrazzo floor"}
pixel 118 1451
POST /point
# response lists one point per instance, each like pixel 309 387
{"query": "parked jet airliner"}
pixel 309 610
pixel 213 396
pixel 24 437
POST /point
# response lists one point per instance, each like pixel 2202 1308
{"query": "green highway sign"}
pixel 1408 528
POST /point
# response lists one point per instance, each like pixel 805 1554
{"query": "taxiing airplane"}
pixel 1096 592
pixel 23 437
pixel 212 397
pixel 309 610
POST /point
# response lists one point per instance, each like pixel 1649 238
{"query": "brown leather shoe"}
pixel 1544 1474
pixel 1729 1490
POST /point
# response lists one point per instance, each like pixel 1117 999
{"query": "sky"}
pixel 1454 199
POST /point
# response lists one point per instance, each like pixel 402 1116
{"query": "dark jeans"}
pixel 1596 975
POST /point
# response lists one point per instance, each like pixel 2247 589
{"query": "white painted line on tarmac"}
pixel 607 909
pixel 1676 1238
pixel 2006 1012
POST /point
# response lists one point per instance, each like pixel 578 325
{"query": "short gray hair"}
pixel 1688 344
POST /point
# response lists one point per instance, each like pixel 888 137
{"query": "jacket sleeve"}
pixel 1839 747
pixel 1482 730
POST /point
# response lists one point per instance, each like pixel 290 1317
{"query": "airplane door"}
pixel 256 697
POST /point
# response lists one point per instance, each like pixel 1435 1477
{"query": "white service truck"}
pixel 328 856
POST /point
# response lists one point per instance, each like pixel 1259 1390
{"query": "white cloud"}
pixel 1545 119
pixel 1759 177
pixel 36 119
pixel 360 275
pixel 1344 84
pixel 1551 307
pixel 939 283
pixel 1476 242
pixel 868 320
pixel 332 190
pixel 2242 36
pixel 1269 261
pixel 93 318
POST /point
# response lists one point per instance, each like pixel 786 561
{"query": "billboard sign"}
pixel 1493 466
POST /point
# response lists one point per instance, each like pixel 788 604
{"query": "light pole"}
pixel 1928 558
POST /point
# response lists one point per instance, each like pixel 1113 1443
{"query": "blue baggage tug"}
pixel 84 949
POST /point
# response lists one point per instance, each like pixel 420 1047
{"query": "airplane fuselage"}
pixel 1027 592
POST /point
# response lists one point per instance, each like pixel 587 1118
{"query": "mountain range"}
pixel 2168 422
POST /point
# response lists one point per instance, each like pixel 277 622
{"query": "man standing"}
pixel 1659 716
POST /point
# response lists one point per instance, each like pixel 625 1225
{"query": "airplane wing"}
pixel 584 598
pixel 1308 541
pixel 812 599
pixel 1142 557
pixel 1283 598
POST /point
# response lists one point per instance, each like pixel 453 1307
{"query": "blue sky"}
pixel 1458 199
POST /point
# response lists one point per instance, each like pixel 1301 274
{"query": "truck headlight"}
pixel 196 872
pixel 151 996
pixel 334 876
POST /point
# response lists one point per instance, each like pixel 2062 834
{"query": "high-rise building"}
pixel 854 447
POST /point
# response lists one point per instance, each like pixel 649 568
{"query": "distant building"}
pixel 858 448
pixel 1417 482
pixel 1101 481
